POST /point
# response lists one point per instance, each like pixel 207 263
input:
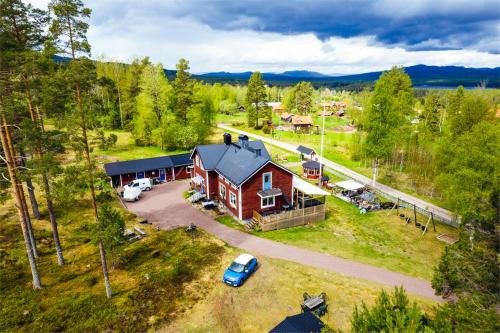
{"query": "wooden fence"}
pixel 290 218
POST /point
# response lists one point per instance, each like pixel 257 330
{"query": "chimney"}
pixel 258 152
pixel 227 138
pixel 243 139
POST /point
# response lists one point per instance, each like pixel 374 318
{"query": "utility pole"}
pixel 321 149
pixel 375 171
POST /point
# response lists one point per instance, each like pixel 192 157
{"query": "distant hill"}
pixel 421 75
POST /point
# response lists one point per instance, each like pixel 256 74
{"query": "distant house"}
pixel 306 153
pixel 285 116
pixel 341 113
pixel 241 108
pixel 302 123
pixel 326 113
pixel 279 108
pixel 165 168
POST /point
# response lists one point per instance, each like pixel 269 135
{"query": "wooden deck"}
pixel 290 218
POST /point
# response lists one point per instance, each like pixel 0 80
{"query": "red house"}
pixel 242 176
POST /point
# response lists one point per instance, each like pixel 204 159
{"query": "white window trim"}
pixel 221 186
pixel 197 160
pixel 267 206
pixel 270 177
pixel 231 195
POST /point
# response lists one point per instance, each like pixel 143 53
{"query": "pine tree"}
pixel 256 95
pixel 69 29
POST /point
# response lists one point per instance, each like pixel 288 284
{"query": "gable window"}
pixel 267 202
pixel 267 181
pixel 232 199
pixel 222 191
pixel 197 160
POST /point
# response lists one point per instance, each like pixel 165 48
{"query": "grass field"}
pixel 272 293
pixel 374 238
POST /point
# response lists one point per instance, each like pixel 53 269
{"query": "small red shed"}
pixel 312 169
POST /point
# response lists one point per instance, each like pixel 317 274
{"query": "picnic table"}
pixel 314 302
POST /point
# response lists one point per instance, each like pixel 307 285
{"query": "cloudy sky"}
pixel 327 36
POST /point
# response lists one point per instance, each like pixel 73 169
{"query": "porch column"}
pixel 173 173
pixel 121 181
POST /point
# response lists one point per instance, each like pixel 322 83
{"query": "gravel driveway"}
pixel 166 208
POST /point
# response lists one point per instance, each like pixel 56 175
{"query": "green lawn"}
pixel 125 149
pixel 374 238
pixel 273 292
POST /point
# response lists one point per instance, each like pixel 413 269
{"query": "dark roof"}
pixel 311 165
pixel 181 159
pixel 305 150
pixel 232 161
pixel 146 164
pixel 303 322
pixel 270 192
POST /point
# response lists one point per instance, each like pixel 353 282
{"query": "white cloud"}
pixel 136 32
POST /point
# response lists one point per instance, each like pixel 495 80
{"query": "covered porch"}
pixel 308 207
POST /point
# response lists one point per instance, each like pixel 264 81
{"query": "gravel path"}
pixel 438 212
pixel 166 208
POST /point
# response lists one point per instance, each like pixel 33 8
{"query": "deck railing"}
pixel 290 218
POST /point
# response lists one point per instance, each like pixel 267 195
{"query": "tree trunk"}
pixel 92 191
pixel 18 193
pixel 53 222
pixel 33 201
pixel 375 171
pixel 31 189
pixel 22 204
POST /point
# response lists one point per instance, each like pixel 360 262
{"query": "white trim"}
pixel 240 205
pixel 208 185
pixel 270 173
pixel 235 199
pixel 173 173
pixel 221 186
pixel 268 205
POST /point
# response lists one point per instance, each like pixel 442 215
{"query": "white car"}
pixel 132 194
pixel 144 184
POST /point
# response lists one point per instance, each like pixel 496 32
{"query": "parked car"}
pixel 144 184
pixel 240 270
pixel 132 194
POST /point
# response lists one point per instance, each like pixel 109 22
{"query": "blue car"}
pixel 240 270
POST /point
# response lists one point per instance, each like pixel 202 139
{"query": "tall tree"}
pixel 303 97
pixel 255 97
pixel 183 91
pixel 69 30
pixel 20 36
pixel 390 108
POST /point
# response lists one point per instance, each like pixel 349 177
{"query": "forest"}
pixel 53 114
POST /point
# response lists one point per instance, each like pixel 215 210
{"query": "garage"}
pixel 165 168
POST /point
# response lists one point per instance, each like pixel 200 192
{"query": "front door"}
pixel 140 175
pixel 162 174
pixel 267 181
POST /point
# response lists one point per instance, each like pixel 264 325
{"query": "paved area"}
pixel 438 212
pixel 166 208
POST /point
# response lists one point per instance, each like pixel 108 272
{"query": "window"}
pixel 222 191
pixel 267 202
pixel 232 199
pixel 197 160
pixel 267 181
